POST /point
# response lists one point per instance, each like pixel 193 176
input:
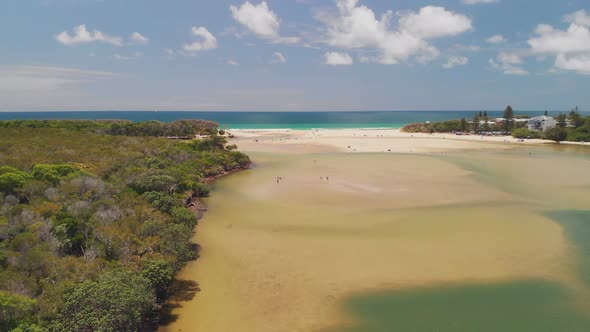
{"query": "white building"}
pixel 542 123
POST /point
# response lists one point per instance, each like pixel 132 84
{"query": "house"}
pixel 542 123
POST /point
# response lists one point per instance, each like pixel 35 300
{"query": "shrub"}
pixel 525 133
pixel 557 134
pixel 116 302
pixel 153 182
pixel 182 215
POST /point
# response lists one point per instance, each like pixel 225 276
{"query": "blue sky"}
pixel 294 54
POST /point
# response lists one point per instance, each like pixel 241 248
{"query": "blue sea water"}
pixel 272 120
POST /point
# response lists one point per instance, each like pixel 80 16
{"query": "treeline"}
pixel 569 127
pixel 93 227
pixel 122 127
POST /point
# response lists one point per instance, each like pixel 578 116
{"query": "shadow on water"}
pixel 535 306
pixel 181 291
pixel 528 306
pixel 576 226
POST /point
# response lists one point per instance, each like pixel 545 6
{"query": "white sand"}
pixel 368 140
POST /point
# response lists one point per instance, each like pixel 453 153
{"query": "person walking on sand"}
pixel 278 179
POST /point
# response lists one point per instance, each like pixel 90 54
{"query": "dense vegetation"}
pixel 122 127
pixel 93 227
pixel 571 127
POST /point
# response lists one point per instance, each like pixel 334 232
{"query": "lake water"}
pixel 464 241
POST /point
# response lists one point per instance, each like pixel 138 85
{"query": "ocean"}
pixel 273 120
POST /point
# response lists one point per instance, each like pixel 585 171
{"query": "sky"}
pixel 294 55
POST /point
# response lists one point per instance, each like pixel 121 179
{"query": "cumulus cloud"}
pixel 81 35
pixel 338 59
pixel 261 20
pixel 278 57
pixel 206 41
pixel 509 64
pixel 570 47
pixel 475 2
pixel 357 27
pixel 581 17
pixel 496 39
pixel 139 39
pixel 455 61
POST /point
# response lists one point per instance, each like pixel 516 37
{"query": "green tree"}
pixel 68 230
pixel 561 120
pixel 546 113
pixel 557 134
pixel 463 125
pixel 508 119
pixel 575 118
pixel 118 301
pixel 159 274
pixel 10 182
pixel 14 309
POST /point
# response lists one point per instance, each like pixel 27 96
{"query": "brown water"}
pixel 391 234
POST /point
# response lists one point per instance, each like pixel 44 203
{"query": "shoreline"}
pixel 372 140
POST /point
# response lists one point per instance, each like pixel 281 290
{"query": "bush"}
pixel 118 301
pixel 162 201
pixel 557 134
pixel 53 173
pixel 153 182
pixel 525 133
pixel 182 215
pixel 201 189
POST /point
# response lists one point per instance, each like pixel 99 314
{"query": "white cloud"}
pixel 580 17
pixel 278 57
pixel 434 22
pixel 261 20
pixel 139 39
pixel 23 79
pixel 455 61
pixel 207 41
pixel 82 36
pixel 338 59
pixel 357 27
pixel 496 39
pixel 570 47
pixel 509 64
pixel 232 62
pixel 120 57
pixel 475 2
pixel 577 63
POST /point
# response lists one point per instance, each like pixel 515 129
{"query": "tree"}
pixel 508 119
pixel 546 113
pixel 485 113
pixel 575 118
pixel 9 182
pixel 118 301
pixel 463 125
pixel 561 120
pixel 475 123
pixel 557 134
pixel 14 309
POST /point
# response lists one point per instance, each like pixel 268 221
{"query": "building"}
pixel 542 123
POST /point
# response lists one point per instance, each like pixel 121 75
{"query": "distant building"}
pixel 542 123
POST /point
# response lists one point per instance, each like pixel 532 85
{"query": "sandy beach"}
pixel 284 256
pixel 369 140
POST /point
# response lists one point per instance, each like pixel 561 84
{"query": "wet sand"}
pixel 286 257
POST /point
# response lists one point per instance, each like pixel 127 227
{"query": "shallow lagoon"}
pixel 443 242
